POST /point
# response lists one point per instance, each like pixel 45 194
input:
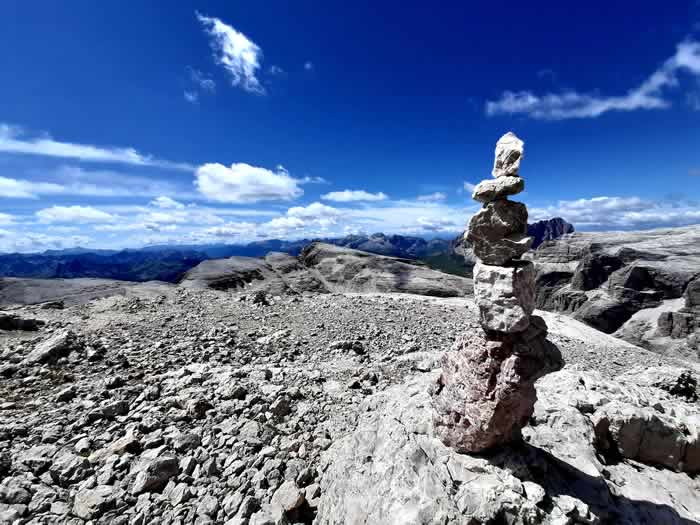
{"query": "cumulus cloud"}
pixel 628 213
pixel 315 210
pixel 242 183
pixel 650 94
pixel 13 140
pixel 432 197
pixel 73 214
pixel 353 196
pixel 239 56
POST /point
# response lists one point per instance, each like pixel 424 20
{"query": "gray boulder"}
pixel 56 346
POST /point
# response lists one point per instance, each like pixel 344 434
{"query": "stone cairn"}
pixel 486 392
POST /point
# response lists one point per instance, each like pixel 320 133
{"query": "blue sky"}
pixel 131 123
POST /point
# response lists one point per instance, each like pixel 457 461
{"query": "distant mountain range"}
pixel 169 262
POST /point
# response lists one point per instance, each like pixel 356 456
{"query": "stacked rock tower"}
pixel 486 392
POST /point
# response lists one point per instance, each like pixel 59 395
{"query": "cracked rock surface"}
pixel 393 470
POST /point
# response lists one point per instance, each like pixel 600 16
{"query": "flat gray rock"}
pixel 500 188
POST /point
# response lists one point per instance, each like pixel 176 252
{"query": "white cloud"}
pixel 6 218
pixel 276 70
pixel 468 186
pixel 201 80
pixel 436 225
pixel 243 183
pixel 571 104
pixel 610 213
pixel 315 210
pixel 235 52
pixel 233 229
pixel 432 197
pixel 12 140
pixel 25 189
pixel 73 214
pixel 353 196
pixel 70 180
pixel 308 66
pixel 166 203
pixel 191 96
pixel 27 242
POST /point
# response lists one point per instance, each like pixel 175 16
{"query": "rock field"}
pixel 196 406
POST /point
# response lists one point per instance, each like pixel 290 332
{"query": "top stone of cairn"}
pixel 509 151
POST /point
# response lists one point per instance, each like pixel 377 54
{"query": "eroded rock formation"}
pixel 486 392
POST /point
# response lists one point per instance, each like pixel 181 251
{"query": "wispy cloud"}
pixel 353 196
pixel 73 214
pixel 650 94
pixel 239 55
pixel 433 197
pixel 201 83
pixel 13 140
pixel 309 66
pixel 468 186
pixel 73 180
pixel 243 183
pixel 6 218
pixel 201 80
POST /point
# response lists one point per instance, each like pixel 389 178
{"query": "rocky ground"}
pixel 196 406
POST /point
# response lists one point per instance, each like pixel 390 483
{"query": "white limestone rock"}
pixel 505 295
pixel 509 152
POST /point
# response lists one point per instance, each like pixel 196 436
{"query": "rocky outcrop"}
pixel 324 268
pixel 486 393
pixel 632 284
pixel 394 470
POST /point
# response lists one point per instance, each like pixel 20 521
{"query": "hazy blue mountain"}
pixel 169 262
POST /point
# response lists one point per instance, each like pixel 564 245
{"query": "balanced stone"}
pixel 509 151
pixel 501 251
pixel 500 188
pixel 505 295
pixel 486 391
pixel 498 232
pixel 498 219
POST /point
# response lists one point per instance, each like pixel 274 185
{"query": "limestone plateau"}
pixel 486 392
